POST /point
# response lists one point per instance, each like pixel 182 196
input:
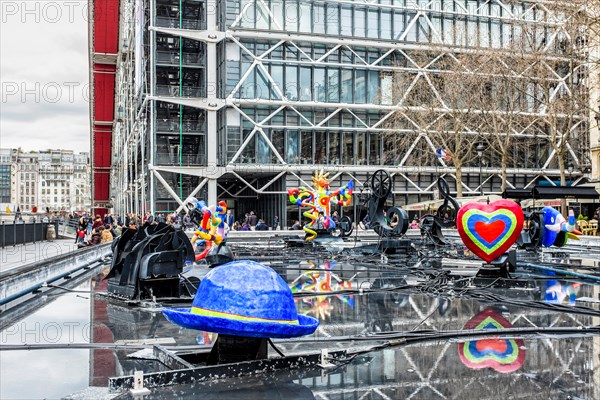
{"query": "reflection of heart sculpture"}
pixel 488 230
pixel 503 355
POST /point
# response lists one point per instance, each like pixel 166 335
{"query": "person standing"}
pixel 97 223
pixel 252 220
pixel 229 219
pixel 105 235
pixel 335 217
pixel 90 224
pixel 80 236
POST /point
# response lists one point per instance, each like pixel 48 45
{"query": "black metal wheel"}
pixel 397 220
pixel 345 226
pixel 381 184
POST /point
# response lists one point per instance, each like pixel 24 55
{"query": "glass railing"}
pixel 187 59
pixel 173 126
pixel 173 22
pixel 186 159
pixel 173 91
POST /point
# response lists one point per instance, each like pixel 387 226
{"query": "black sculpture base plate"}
pixel 393 246
pixel 233 349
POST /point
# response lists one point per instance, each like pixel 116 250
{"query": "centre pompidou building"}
pixel 241 99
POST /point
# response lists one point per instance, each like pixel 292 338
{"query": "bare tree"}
pixel 502 104
pixel 533 90
pixel 441 109
pixel 558 73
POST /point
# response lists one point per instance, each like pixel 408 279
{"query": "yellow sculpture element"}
pixel 212 228
pixel 319 200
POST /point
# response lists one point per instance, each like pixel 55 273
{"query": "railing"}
pixel 173 22
pixel 173 91
pixel 187 59
pixel 186 159
pixel 17 232
pixel 173 126
pixel 68 228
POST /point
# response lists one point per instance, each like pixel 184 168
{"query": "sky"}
pixel 44 75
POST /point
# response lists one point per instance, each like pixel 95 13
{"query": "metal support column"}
pixel 152 131
pixel 211 95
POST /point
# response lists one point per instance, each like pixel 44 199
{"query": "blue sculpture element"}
pixel 557 292
pixel 557 230
pixel 244 298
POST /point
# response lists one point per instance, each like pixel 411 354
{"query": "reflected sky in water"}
pixel 48 373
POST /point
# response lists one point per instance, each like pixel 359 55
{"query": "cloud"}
pixel 29 107
pixel 44 73
pixel 58 131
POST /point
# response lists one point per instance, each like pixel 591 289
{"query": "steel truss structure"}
pixel 240 99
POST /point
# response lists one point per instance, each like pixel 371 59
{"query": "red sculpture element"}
pixel 501 354
pixel 488 230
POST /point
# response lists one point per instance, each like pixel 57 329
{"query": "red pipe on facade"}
pixel 104 48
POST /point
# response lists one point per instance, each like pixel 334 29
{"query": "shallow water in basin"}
pixel 381 295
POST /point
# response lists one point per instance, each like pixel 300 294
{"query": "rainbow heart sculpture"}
pixel 488 230
pixel 502 355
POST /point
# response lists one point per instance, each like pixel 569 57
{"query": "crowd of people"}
pixel 250 222
pixel 94 229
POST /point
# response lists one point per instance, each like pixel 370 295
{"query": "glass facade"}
pixel 340 84
pixel 470 23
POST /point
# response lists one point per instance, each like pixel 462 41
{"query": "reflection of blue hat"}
pixel 244 298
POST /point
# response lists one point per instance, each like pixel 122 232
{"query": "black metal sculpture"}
pixel 444 217
pixel 533 231
pixel 394 223
pixel 147 262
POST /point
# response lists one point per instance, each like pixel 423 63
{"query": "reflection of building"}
pixel 241 99
pixel 433 370
pixel 554 367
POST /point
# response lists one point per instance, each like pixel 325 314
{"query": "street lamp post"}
pixel 480 148
pixel 570 169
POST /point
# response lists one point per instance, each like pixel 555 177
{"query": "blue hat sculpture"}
pixel 244 298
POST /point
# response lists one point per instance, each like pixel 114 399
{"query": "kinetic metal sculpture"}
pixel 319 202
pixel 392 223
pixel 444 216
